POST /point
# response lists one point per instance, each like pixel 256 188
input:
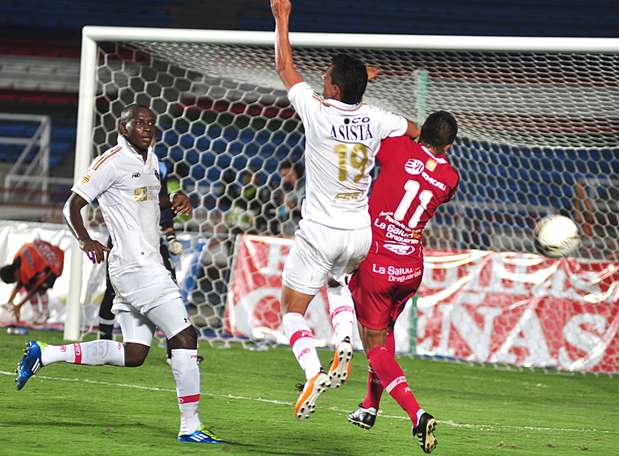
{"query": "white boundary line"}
pixel 479 427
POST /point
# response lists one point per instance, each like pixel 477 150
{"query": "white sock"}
pixel 93 353
pixel 302 342
pixel 187 375
pixel 342 312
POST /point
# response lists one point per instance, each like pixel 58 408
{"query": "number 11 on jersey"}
pixel 412 187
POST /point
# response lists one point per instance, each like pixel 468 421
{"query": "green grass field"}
pixel 247 399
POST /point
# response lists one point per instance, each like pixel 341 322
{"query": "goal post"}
pixel 223 111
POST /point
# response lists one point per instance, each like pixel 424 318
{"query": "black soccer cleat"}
pixel 363 417
pixel 424 432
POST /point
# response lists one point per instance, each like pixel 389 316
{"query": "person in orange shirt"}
pixel 35 268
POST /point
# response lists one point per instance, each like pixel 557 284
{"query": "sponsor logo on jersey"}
pixel 431 165
pixel 85 179
pixel 413 166
pixel 432 181
pixel 353 129
pixel 348 196
pixel 140 194
pixel 400 249
pixel 135 175
pixel 396 274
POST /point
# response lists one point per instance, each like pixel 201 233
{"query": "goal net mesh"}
pixel 538 135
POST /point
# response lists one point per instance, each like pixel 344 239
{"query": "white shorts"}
pixel 171 317
pixel 146 299
pixel 320 252
pixel 144 289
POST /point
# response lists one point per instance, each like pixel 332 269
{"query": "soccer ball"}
pixel 556 236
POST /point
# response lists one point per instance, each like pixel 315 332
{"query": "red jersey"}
pixel 410 187
pixel 36 257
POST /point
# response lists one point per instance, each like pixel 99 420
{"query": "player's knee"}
pixel 375 338
pixel 135 354
pixel 187 338
pixel 332 283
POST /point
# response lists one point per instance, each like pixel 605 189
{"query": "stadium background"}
pixel 482 411
pixel 223 142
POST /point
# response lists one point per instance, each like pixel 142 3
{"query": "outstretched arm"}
pixel 412 130
pixel 39 281
pixel 73 218
pixel 283 51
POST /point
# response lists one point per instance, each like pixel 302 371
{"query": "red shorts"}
pixel 381 286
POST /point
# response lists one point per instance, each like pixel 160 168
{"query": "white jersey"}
pixel 341 142
pixel 127 188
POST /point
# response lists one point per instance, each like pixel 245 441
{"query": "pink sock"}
pixel 375 387
pixel 302 342
pixel 391 376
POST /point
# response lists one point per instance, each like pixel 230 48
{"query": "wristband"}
pixel 172 195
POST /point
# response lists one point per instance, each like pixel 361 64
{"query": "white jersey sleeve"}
pixel 391 124
pixel 304 100
pixel 99 177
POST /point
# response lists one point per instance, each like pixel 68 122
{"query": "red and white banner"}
pixel 478 306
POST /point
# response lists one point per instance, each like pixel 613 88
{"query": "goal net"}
pixel 538 135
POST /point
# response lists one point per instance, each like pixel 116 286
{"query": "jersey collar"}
pixel 340 105
pixel 427 150
pixel 128 147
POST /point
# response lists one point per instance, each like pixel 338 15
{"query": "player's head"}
pixel 290 172
pixel 8 273
pixel 137 125
pixel 346 79
pixel 439 131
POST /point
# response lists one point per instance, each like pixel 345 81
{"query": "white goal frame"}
pixel 91 35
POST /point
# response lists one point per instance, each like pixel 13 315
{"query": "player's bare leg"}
pixel 342 313
pixel 386 368
pixel 303 346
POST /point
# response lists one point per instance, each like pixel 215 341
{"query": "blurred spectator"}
pixel 35 268
pixel 293 191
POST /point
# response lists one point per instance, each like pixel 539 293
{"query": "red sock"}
pixel 375 391
pixel 375 387
pixel 391 376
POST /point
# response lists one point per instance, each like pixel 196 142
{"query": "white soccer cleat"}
pixel 341 364
pixel 306 403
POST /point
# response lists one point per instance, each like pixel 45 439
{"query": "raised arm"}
pixel 283 51
pixel 412 130
pixel 73 218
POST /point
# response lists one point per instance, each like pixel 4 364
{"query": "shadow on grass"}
pixel 250 448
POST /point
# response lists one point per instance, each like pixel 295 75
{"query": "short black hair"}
pixel 8 273
pixel 297 167
pixel 439 129
pixel 351 75
pixel 128 112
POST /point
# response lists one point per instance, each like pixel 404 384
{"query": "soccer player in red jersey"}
pixel 415 179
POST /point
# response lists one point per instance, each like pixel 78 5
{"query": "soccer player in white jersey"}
pixel 125 181
pixel 342 136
